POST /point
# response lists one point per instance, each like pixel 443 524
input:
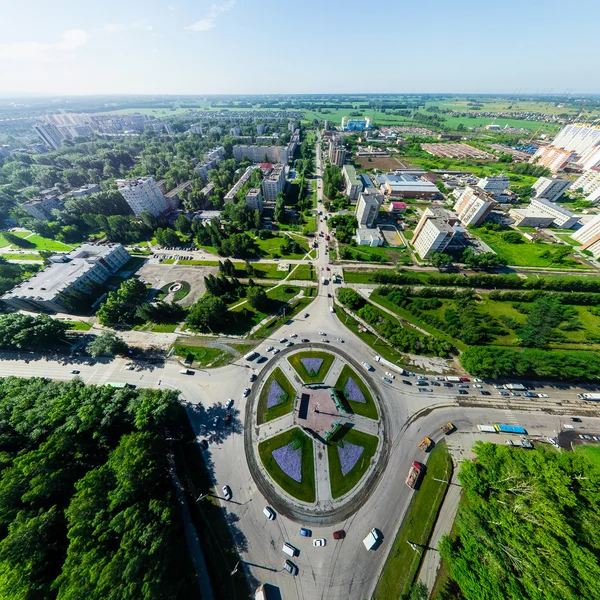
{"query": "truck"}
pixel 453 378
pixel 522 443
pixel 589 396
pixel 371 540
pixel 251 355
pixel 502 428
pixel 515 386
pixel 413 474
pixel 447 428
pixel 425 444
pixel 487 428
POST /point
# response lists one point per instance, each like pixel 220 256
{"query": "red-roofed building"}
pixel 266 166
pixel 397 207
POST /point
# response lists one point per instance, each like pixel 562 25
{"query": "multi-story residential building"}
pixel 551 188
pixel 553 158
pixel 76 272
pixel 204 168
pixel 207 190
pixel 327 125
pixel 230 196
pixel 260 129
pixel 196 128
pixel 406 186
pixel 85 190
pixel 235 131
pixel 589 236
pixel 142 194
pixel 434 231
pixel 49 134
pixel 356 124
pixel 257 154
pixel 529 217
pixel 583 141
pixel 473 206
pixel 292 126
pixel 352 181
pixel 337 153
pixel 563 218
pixel 367 208
pixel 216 154
pixel 495 185
pixel 42 209
pixel 254 200
pixel 589 183
pixel 273 183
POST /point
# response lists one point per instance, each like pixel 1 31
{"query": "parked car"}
pixel 75 372
pixel 390 375
pixel 462 392
pixel 484 393
pixel 436 383
pixel 252 377
pixel 227 492
pixel 405 381
pixel 305 532
pixel 447 384
pixel 291 568
pixel 340 534
pixel 304 340
pixel 387 380
pixel 229 403
pixel 227 418
pixel 543 396
pixel 246 392
pixel 269 513
pixel 576 419
pixel 319 543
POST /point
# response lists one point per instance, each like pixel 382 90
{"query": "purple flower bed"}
pixel 312 365
pixel 289 461
pixel 349 455
pixel 276 395
pixel 353 393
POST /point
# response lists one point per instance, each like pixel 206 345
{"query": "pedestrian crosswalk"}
pixel 510 417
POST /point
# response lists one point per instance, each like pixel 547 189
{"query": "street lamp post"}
pixel 235 569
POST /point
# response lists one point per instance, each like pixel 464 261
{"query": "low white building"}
pixel 589 236
pixel 369 236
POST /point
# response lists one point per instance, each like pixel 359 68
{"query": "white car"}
pixel 294 335
pixel 320 542
pixel 477 385
pixel 227 492
pixel 275 350
pixel 322 333
pixel 390 375
pixel 543 396
pixel 478 380
pixel 269 513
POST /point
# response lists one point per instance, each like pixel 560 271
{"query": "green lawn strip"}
pixel 296 361
pixel 168 261
pixel 78 325
pixel 379 347
pixel 271 247
pixel 241 348
pixel 408 316
pixel 304 490
pixel 203 263
pixel 271 326
pixel 202 356
pixel 266 271
pixel 591 452
pixel 402 564
pixel 42 243
pixel 21 256
pixel 365 409
pixel 342 484
pixel 303 273
pixel 359 276
pixel 282 293
pixel 164 327
pixel 264 414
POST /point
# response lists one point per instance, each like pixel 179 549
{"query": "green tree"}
pixel 183 225
pixel 279 212
pixel 207 313
pixel 107 344
pixel 23 331
pixel 257 297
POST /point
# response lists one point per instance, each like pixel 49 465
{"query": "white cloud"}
pixel 118 27
pixel 209 21
pixel 45 52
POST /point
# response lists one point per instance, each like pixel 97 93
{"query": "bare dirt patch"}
pixel 381 163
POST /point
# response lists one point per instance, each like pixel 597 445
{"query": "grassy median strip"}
pixel 311 377
pixel 365 409
pixel 341 484
pixel 264 413
pixel 402 564
pixel 303 490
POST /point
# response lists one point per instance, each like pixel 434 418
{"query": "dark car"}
pixel 576 419
pixel 305 532
pixel 407 382
pixel 340 534
pixel 304 340
pixel 484 393
pixel 447 384
pixel 291 568
pixel 462 391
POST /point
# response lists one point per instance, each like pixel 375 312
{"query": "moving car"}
pixel 184 371
pixel 269 513
pixel 543 396
pixel 406 382
pixel 390 375
pixel 484 393
pixel 422 389
pixel 227 492
pixel 304 340
pixel 305 532
pixel 387 380
pixel 230 403
pixel 340 534
pixel 246 392
pixel 75 372
pixel 319 543
pixel 462 391
pixel 252 377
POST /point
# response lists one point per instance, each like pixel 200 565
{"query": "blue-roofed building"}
pixel 356 124
pixel 366 180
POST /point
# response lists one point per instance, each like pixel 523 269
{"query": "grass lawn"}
pixel 264 413
pixel 271 247
pixel 204 263
pixel 403 562
pixel 164 327
pixel 342 484
pixel 304 273
pixel 592 452
pixel 270 327
pixel 21 256
pixel 526 254
pixel 42 243
pixel 282 293
pixel 305 489
pixel 267 271
pixel 365 409
pixel 202 356
pixel 78 325
pixel 359 276
pixel 296 361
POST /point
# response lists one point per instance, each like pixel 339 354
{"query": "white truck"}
pixel 588 396
pixel 371 540
pixel 515 386
pixel 453 378
pixel 487 428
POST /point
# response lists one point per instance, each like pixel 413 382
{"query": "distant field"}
pixel 381 163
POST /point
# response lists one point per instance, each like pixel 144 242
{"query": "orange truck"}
pixel 413 474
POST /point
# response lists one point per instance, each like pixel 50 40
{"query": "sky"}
pixel 309 46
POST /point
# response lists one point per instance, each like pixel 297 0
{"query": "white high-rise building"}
pixel 367 208
pixel 260 129
pixel 551 188
pixel 254 200
pixel 589 236
pixel 473 206
pixel 562 217
pixel 434 231
pixel 258 154
pixel 142 194
pixel 274 183
pixel 49 134
pixel 589 182
pixel 579 143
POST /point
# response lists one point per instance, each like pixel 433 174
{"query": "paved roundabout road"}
pixel 326 510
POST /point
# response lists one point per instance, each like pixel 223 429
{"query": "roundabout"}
pixel 318 440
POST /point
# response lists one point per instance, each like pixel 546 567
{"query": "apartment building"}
pixel 254 200
pixel 551 188
pixel 589 236
pixel 563 218
pixel 553 158
pixel 367 208
pixel 273 183
pixel 583 141
pixel 216 154
pixel 76 272
pixel 589 182
pixel 260 129
pixel 143 194
pixel 497 185
pixel 235 131
pixel 85 190
pixel 473 206
pixel 257 154
pixel 204 168
pixel 49 134
pixel 42 209
pixel 230 196
pixel 434 231
pixel 337 153
pixel 352 181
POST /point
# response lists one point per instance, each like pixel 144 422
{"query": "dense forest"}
pixel 528 526
pixel 87 505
